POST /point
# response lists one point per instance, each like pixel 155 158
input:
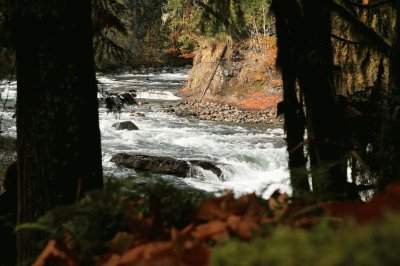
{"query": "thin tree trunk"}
pixel 287 14
pixel 59 153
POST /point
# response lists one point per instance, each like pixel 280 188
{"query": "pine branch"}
pixel 373 38
pixel 218 16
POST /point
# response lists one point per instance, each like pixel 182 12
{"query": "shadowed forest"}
pixel 199 132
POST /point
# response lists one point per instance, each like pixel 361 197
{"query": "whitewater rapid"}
pixel 252 159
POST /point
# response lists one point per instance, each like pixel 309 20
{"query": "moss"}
pixel 373 244
pixel 96 219
pixel 7 154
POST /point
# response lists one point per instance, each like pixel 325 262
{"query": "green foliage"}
pixel 349 244
pixel 91 223
pixel 175 204
pixel 95 220
pixel 7 155
pixel 110 28
pixel 188 20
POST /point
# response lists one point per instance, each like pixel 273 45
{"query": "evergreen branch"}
pixel 218 16
pixel 377 4
pixel 367 32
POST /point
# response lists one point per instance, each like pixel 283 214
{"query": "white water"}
pixel 252 159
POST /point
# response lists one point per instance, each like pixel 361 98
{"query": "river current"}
pixel 252 158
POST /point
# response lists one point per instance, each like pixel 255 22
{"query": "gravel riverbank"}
pixel 223 113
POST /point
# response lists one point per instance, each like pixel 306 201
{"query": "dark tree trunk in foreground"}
pixel 325 125
pixel 305 55
pixel 59 153
pixel 287 14
pixel 391 126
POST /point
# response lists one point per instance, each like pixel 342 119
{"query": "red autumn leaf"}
pixel 388 199
pixel 147 254
pixel 54 255
pixel 215 208
pixel 243 227
pixel 213 230
pixel 196 256
pixel 121 242
pixel 110 259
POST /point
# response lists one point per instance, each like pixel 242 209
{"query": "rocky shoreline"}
pixel 224 113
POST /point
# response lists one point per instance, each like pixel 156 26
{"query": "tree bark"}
pixel 391 128
pixel 59 153
pixel 287 17
pixel 324 123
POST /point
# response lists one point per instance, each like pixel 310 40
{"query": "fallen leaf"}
pixel 145 253
pixel 121 242
pixel 213 230
pixel 54 255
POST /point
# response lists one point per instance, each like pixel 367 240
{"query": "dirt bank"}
pixel 240 74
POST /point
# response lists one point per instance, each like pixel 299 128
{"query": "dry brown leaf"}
pixel 121 242
pixel 278 204
pixel 213 230
pixel 196 256
pixel 54 255
pixel 243 227
pixel 215 208
pixel 110 259
pixel 146 253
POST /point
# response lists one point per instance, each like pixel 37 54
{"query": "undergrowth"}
pixel 349 244
pixel 95 220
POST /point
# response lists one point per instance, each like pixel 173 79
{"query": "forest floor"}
pixel 156 229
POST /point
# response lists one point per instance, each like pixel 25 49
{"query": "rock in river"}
pixel 128 125
pixel 163 165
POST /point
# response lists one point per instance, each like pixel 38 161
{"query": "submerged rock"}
pixel 207 166
pixel 128 125
pixel 162 165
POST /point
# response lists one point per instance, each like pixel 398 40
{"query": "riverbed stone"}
pixel 125 125
pixel 163 165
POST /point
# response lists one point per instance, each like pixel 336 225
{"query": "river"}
pixel 252 158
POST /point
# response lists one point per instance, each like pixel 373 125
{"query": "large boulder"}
pixel 126 125
pixel 152 164
pixel 163 165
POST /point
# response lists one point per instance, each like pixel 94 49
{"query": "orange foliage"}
pixel 215 219
pixel 277 82
pixel 187 55
pixel 388 199
pixel 184 90
pixel 260 103
pixel 53 254
pixel 171 50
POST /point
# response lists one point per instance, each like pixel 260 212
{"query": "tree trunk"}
pixel 391 126
pixel 325 124
pixel 59 153
pixel 287 14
